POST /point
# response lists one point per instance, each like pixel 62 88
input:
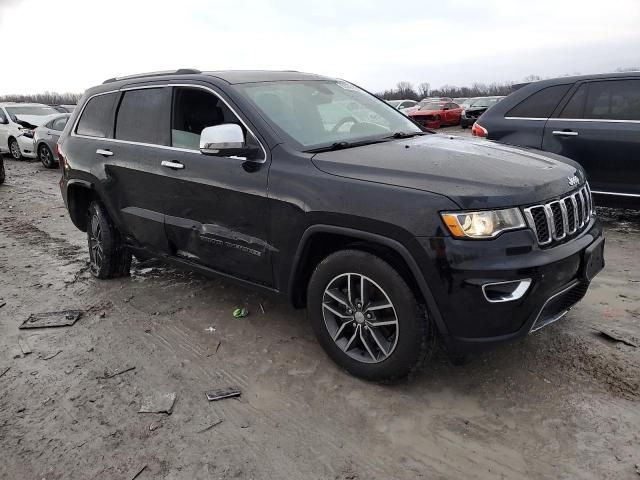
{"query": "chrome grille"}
pixel 559 219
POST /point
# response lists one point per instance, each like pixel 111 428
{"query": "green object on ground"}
pixel 240 312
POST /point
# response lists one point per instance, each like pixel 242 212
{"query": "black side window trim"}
pixel 567 98
pixel 555 110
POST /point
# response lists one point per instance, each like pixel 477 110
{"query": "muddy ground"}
pixel 563 403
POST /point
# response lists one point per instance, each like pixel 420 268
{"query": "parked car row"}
pixel 591 119
pixel 31 130
pixel 434 112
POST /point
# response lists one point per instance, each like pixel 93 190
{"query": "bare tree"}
pixel 423 89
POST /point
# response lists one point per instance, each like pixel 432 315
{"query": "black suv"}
pixel 314 189
pixel 592 119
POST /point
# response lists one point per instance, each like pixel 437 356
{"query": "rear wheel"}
pixel 367 318
pixel 108 255
pixel 46 156
pixel 14 148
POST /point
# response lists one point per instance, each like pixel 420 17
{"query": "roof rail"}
pixel 180 71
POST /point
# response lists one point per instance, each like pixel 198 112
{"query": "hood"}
pixel 34 121
pixel 474 173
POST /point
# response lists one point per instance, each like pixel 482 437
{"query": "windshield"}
pixel 394 103
pixel 36 111
pixel 484 102
pixel 317 113
pixel 431 106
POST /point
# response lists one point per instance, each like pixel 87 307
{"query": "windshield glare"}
pixel 319 113
pixel 35 111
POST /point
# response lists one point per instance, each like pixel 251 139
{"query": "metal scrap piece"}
pixel 65 318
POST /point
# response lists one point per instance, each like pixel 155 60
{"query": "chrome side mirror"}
pixel 219 138
pixel 227 140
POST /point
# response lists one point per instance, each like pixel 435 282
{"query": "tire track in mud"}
pixel 42 241
pixel 179 342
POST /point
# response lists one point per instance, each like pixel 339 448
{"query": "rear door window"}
pixel 613 100
pixel 144 116
pixel 97 117
pixel 575 107
pixel 540 104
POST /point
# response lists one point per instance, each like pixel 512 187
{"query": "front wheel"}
pixel 46 156
pixel 367 318
pixel 2 174
pixel 14 148
pixel 108 255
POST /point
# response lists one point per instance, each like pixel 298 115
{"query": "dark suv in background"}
pixel 313 189
pixel 592 119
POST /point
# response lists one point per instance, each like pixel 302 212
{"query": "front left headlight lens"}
pixel 483 224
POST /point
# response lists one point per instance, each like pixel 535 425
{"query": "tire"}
pixel 108 255
pixel 2 173
pixel 14 149
pixel 45 155
pixel 397 350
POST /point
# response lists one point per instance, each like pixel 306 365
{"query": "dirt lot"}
pixel 562 403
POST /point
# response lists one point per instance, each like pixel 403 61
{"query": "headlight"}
pixel 483 224
pixel 463 113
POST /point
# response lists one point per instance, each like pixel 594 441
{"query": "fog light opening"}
pixel 497 292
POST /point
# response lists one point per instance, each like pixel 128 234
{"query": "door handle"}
pixel 104 153
pixel 174 165
pixel 565 133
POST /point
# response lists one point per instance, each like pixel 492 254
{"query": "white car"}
pixel 17 124
pixel 405 106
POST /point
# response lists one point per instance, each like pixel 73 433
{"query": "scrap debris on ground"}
pixel 65 318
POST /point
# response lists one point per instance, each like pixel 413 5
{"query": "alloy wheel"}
pixel 45 156
pixel 96 251
pixel 360 318
pixel 15 150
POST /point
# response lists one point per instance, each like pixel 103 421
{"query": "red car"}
pixel 437 114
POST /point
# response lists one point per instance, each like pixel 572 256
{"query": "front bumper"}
pixel 467 121
pixel 26 146
pixel 462 268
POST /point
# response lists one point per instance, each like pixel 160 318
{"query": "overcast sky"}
pixel 70 45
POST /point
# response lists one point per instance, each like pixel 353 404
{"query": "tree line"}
pixel 406 91
pixel 48 98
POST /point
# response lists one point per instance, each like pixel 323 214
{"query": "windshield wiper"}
pixel 406 135
pixel 342 145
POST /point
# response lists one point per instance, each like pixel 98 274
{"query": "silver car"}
pixel 45 138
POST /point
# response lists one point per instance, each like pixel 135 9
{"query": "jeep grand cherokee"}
pixel 311 188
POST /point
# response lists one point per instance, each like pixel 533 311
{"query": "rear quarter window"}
pixel 541 104
pixel 97 117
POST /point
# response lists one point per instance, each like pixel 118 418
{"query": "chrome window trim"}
pixel 607 120
pixel 619 194
pixel 164 147
pixel 525 118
